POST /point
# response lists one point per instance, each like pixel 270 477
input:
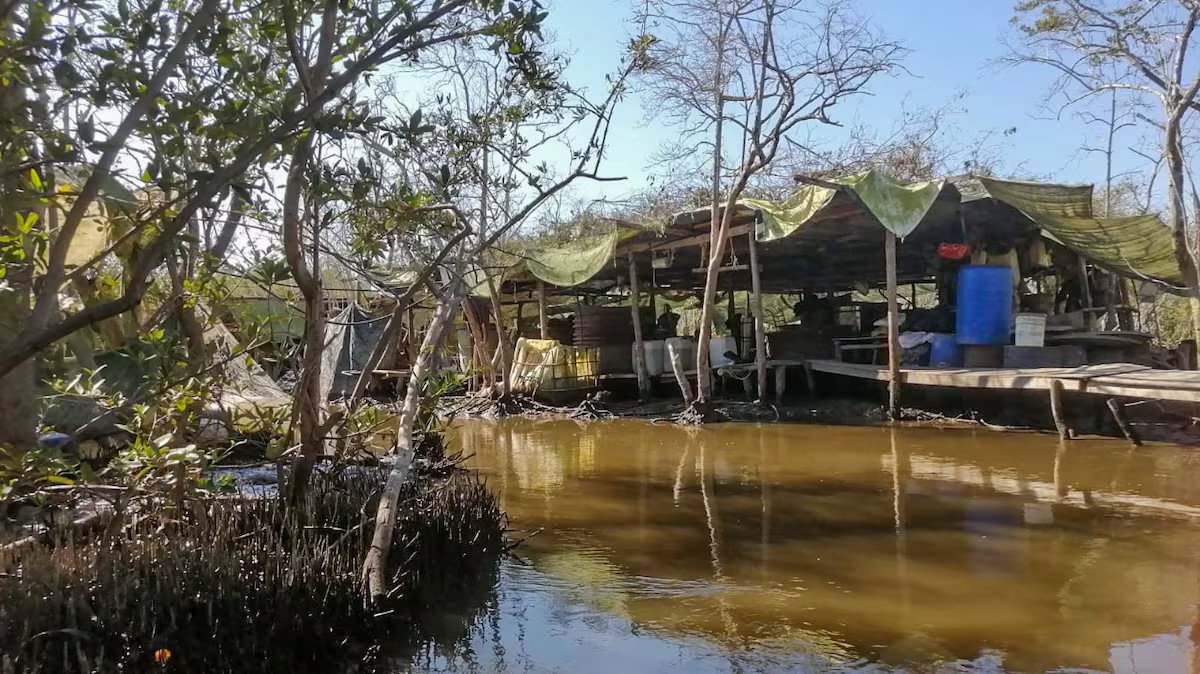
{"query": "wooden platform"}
pixel 1115 379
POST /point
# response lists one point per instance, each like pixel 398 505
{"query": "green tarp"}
pixel 562 262
pixel 899 207
pixel 1138 246
pixel 572 262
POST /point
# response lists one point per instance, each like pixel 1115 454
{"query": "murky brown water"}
pixel 811 548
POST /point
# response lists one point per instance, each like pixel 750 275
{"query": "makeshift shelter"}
pixel 832 240
pixel 247 388
pixel 349 339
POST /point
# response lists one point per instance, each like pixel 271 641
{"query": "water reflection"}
pixel 748 548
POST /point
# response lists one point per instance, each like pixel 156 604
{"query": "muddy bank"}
pixel 1001 411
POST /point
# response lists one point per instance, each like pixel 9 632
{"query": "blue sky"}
pixel 953 46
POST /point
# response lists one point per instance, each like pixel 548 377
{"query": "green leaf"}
pixel 35 179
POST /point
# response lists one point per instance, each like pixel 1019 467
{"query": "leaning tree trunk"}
pixel 717 246
pixel 375 565
pixel 1185 257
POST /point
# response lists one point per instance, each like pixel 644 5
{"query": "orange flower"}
pixel 161 656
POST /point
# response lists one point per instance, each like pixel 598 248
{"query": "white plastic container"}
pixel 717 348
pixel 655 351
pixel 1030 330
pixel 682 348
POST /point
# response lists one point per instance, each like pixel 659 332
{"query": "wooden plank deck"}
pixel 1115 379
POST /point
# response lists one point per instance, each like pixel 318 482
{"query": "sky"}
pixel 953 47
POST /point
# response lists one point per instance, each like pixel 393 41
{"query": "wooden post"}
pixel 1056 409
pixel 653 305
pixel 893 314
pixel 1118 414
pixel 639 350
pixel 543 319
pixel 760 333
pixel 1125 313
pixel 1085 292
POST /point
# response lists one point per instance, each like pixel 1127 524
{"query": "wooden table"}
pixel 874 344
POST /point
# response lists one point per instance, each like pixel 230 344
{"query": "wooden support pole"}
pixel 1056 409
pixel 543 318
pixel 639 350
pixel 760 333
pixel 1085 291
pixel 1118 414
pixel 653 304
pixel 893 335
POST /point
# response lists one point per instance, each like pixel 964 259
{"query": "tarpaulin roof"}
pixel 559 262
pixel 1140 246
pixel 899 207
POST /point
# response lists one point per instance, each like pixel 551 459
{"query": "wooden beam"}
pixel 685 242
pixel 722 270
pixel 639 349
pixel 760 336
pixel 543 317
pixel 893 329
pixel 1056 410
pixel 1118 414
pixel 740 229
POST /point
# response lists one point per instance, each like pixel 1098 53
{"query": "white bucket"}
pixel 655 351
pixel 717 348
pixel 1030 330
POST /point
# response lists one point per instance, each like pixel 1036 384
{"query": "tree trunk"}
pixel 1185 257
pixel 716 247
pixel 185 313
pixel 502 350
pixel 18 402
pixel 308 389
pixel 375 564
pixel 760 329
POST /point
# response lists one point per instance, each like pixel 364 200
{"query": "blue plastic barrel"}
pixel 944 351
pixel 984 305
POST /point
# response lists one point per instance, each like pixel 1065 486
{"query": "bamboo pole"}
pixel 543 319
pixel 639 350
pixel 760 336
pixel 893 333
